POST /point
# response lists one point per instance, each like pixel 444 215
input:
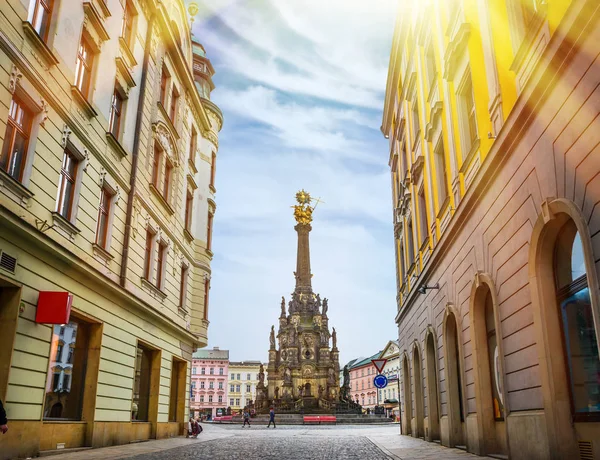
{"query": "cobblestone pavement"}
pixel 231 442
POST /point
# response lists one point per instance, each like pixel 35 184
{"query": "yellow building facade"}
pixel 491 113
pixel 109 146
pixel 243 378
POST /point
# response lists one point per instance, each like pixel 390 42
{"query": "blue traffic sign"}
pixel 380 381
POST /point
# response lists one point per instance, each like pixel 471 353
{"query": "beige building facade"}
pixel 492 117
pixel 109 145
pixel 243 379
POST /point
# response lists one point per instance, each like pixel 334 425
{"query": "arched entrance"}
pixel 418 431
pixel 433 414
pixel 489 374
pixel 566 307
pixel 407 398
pixel 307 389
pixel 456 414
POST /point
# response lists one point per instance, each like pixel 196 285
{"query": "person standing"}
pixel 246 419
pixel 271 418
pixel 3 419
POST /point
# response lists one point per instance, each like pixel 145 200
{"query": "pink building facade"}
pixel 362 389
pixel 208 393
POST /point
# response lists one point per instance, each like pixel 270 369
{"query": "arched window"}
pixel 580 342
pixel 494 359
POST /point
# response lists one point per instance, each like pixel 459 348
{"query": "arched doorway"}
pixel 418 431
pixel 407 398
pixel 566 307
pixel 307 389
pixel 489 375
pixel 456 414
pixel 433 414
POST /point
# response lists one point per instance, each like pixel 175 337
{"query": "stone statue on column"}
pixel 333 339
pixel 272 338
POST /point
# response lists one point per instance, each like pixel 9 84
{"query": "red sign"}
pixel 379 364
pixel 53 307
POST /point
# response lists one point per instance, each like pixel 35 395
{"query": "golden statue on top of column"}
pixel 303 210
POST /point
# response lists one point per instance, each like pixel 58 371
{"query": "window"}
pixel 210 398
pixel 579 335
pixel 423 229
pixel 411 244
pixel 231 402
pixel 127 26
pixel 237 401
pixel 66 186
pixel 203 371
pixel 194 371
pixel 209 231
pixel 232 378
pixel 164 82
pixel 220 385
pixel 42 15
pixel 16 139
pixel 183 287
pixel 149 254
pixel 102 228
pixel 189 203
pixel 402 266
pixel 206 291
pixel 220 371
pixel 193 144
pixel 431 65
pixel 237 388
pixel 439 157
pixel 161 264
pixel 167 180
pixel 202 397
pixel 247 376
pixel 84 67
pixel 220 398
pixel 211 385
pixel 212 371
pixel 156 164
pixel 248 388
pixel 415 121
pixel 144 377
pixel 116 109
pixel 59 351
pixel 468 115
pixel 70 355
pixel 174 104
pixel 213 166
pixel 62 331
pixel 232 388
pixel 238 378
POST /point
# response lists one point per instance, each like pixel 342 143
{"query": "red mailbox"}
pixel 53 307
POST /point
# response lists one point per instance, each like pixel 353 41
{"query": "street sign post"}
pixel 379 364
pixel 380 381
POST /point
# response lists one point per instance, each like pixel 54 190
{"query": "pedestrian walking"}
pixel 246 419
pixel 271 418
pixel 3 419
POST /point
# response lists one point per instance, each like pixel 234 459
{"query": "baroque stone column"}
pixel 303 275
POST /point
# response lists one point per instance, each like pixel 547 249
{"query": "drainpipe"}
pixel 135 156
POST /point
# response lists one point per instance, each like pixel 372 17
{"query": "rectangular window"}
pixel 66 186
pixel 206 291
pixel 248 388
pixel 468 115
pixel 402 266
pixel 146 360
pixel 440 172
pixel 231 401
pixel 167 182
pixel 106 197
pixel 220 385
pixel 220 371
pixel 148 254
pixel 127 26
pixel 116 109
pixel 431 65
pixel 193 371
pixel 84 67
pixel 220 399
pixel 411 244
pixel 42 15
pixel 183 287
pixel 415 120
pixel 174 104
pixel 212 371
pixel 247 376
pixel 201 398
pixel 177 394
pixel 213 167
pixel 237 401
pixel 161 265
pixel 164 82
pixel 210 398
pixel 237 388
pixel 209 227
pixel 189 203
pixel 16 139
pixel 156 164
pixel 203 371
pixel 231 388
pixel 193 144
pixel 211 385
pixel 238 378
pixel 422 216
pixel 202 385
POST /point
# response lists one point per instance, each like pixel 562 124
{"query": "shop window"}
pixel 579 335
pixel 177 394
pixel 16 139
pixel 145 384
pixel 72 371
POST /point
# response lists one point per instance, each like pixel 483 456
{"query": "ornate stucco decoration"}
pixel 15 76
pixel 165 138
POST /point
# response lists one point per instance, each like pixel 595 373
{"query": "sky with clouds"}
pixel 301 86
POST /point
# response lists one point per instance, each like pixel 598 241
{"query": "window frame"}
pixel 189 206
pixel 73 178
pixel 161 264
pixel 149 254
pixel 116 116
pixel 183 285
pixel 84 67
pixel 49 10
pixel 164 83
pixel 107 195
pixel 23 129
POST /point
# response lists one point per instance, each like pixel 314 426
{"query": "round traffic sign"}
pixel 380 381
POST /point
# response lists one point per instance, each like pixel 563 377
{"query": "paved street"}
pixel 231 442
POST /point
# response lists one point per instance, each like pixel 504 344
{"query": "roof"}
pixel 366 360
pixel 214 353
pixel 244 363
